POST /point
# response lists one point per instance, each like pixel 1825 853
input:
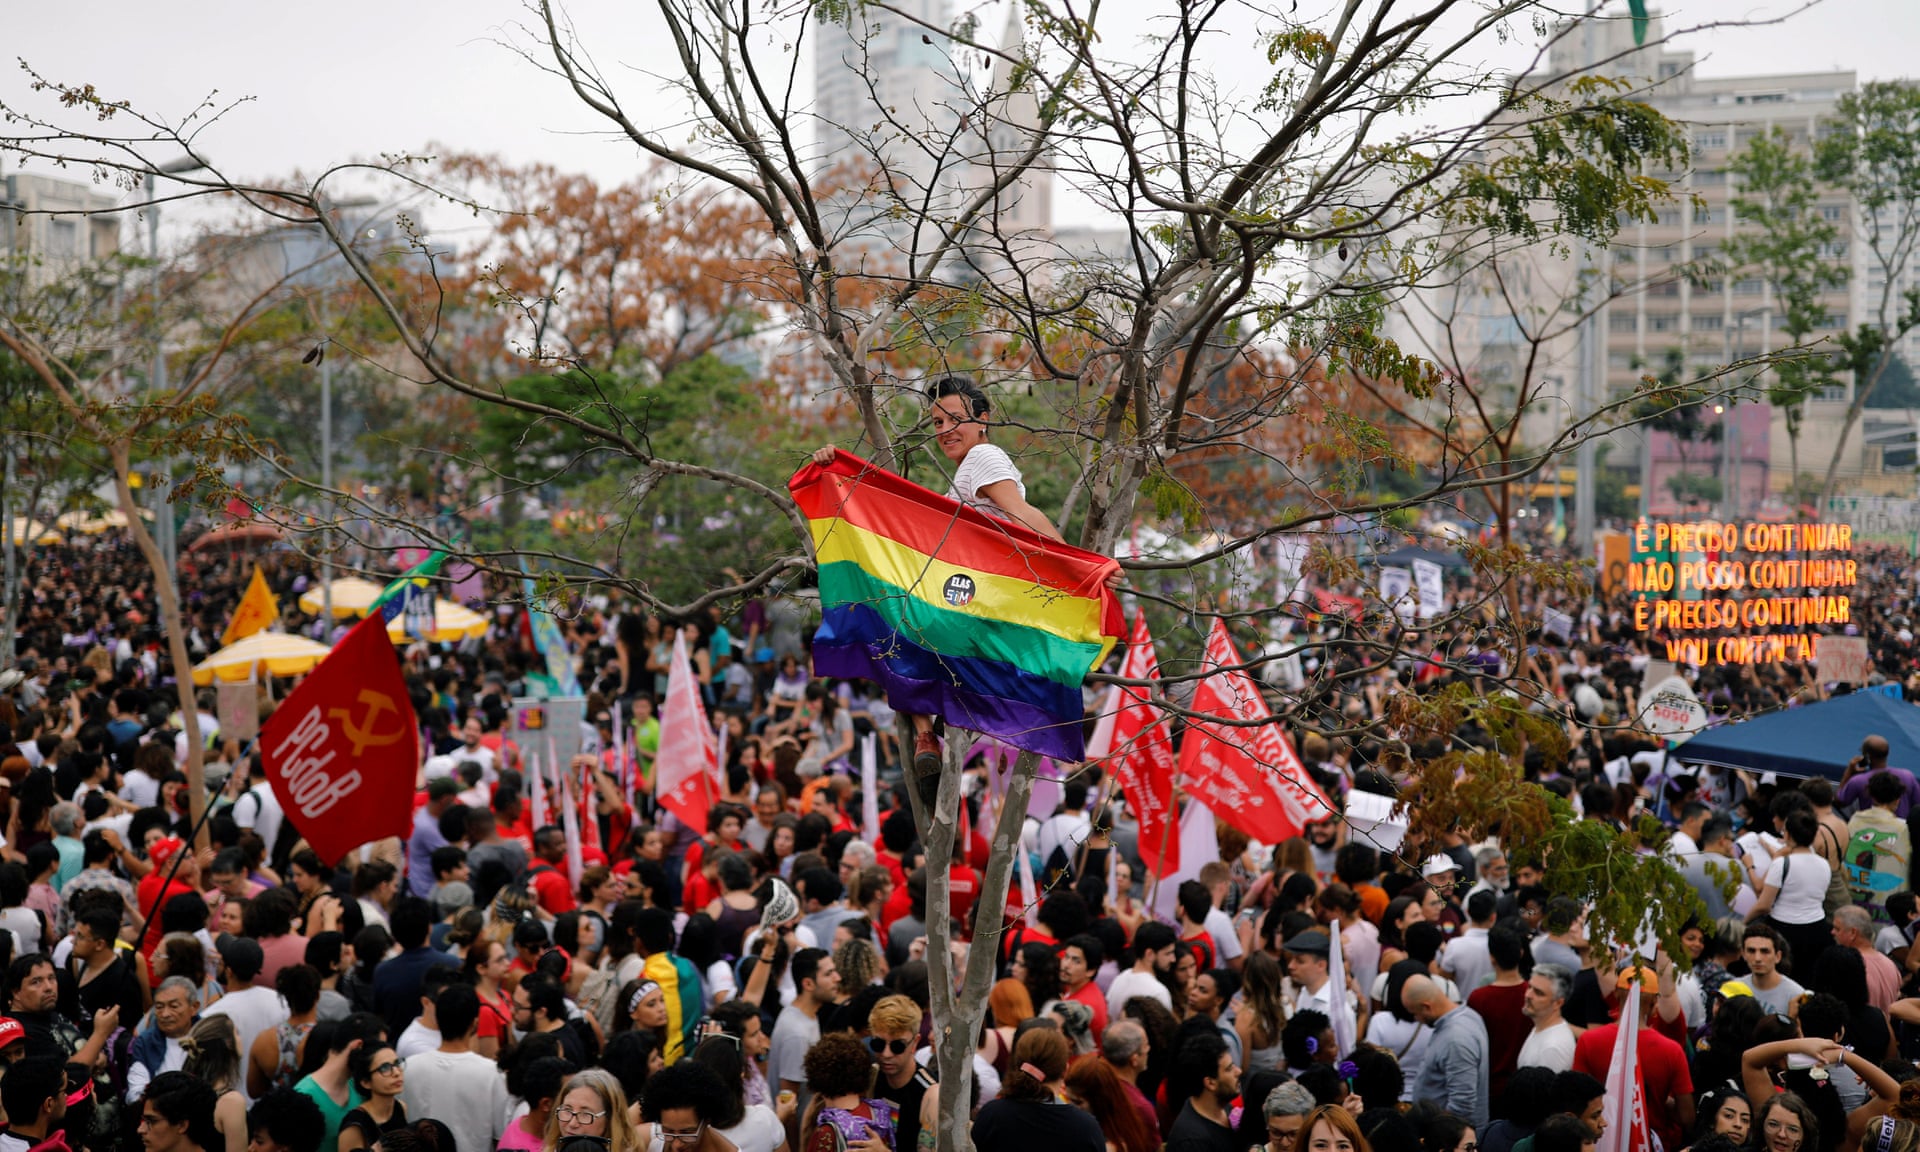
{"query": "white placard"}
pixel 1433 595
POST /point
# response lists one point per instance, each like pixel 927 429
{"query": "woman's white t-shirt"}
pixel 759 1131
pixel 983 466
pixel 1803 887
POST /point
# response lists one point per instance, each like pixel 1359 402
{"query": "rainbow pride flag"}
pixel 955 613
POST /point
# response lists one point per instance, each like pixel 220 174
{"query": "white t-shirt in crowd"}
pixel 1778 998
pixel 416 1039
pixel 253 1011
pixel 1802 879
pixel 464 1090
pixel 1133 983
pixel 1226 942
pixel 984 465
pixel 758 1131
pixel 1548 1048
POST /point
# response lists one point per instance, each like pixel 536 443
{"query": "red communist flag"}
pixel 1248 774
pixel 342 751
pixel 1140 754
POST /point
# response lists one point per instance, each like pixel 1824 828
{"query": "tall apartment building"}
pixel 889 93
pixel 1710 319
pixel 47 219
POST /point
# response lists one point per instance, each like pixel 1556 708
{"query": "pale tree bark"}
pixel 119 446
pixel 957 1019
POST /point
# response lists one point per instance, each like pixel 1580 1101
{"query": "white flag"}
pixel 1343 1021
pixel 870 791
pixel 1626 1105
pixel 1199 845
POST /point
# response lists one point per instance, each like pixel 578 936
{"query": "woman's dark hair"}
pixel 1048 1051
pixel 1301 1033
pixel 13 885
pixel 693 1085
pixel 1529 1097
pixel 722 1054
pixel 627 1057
pixel 1390 936
pixel 537 1080
pixel 838 1064
pixel 189 1101
pixel 700 946
pixel 1043 972
pixel 1160 1025
pixel 370 946
pixel 360 1065
pixel 1441 1132
pixel 977 404
pixel 1377 1070
pixel 1709 1107
pixel 1842 973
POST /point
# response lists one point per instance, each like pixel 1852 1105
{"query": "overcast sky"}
pixel 356 77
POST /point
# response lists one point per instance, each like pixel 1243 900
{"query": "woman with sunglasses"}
pixel 378 1074
pixel 592 1104
pixel 680 1112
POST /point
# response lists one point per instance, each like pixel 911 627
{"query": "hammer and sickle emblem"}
pixel 362 734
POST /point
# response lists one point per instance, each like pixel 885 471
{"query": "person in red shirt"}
pixel 547 877
pixel 1663 1063
pixel 1080 958
pixel 152 898
pixel 1501 1005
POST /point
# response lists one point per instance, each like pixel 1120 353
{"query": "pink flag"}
pixel 1626 1103
pixel 1139 752
pixel 684 768
pixel 1248 772
pixel 570 824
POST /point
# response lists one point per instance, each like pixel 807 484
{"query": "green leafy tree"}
pixel 1873 153
pixel 1787 245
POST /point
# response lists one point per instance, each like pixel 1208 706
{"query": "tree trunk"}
pixel 169 599
pixel 956 1021
pixel 1858 405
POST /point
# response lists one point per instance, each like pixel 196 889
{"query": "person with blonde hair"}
pixel 213 1057
pixel 1029 1113
pixel 592 1104
pixel 893 1036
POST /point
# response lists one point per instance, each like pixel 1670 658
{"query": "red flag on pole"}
pixel 684 767
pixel 1140 752
pixel 341 753
pixel 1248 773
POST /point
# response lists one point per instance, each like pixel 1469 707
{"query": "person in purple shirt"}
pixel 426 834
pixel 1873 759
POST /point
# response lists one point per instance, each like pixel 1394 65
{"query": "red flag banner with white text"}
pixel 342 751
pixel 1626 1102
pixel 688 759
pixel 1248 773
pixel 1140 755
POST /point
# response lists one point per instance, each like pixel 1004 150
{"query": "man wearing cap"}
pixel 1307 954
pixel 13 1041
pixel 441 792
pixel 156 889
pixel 252 1009
pixel 1663 1063
pixel 1441 872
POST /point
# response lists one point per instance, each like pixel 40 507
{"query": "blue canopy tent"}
pixel 1814 740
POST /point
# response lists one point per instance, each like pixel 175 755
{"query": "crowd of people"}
pixel 761 983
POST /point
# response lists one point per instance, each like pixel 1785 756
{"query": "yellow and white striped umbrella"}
pixel 25 530
pixel 263 653
pixel 352 596
pixel 451 622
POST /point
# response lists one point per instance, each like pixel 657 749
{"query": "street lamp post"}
pixel 163 478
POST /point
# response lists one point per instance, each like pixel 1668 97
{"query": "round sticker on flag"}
pixel 959 590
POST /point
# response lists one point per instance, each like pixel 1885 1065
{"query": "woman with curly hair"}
pixel 859 965
pixel 1096 1087
pixel 592 1104
pixel 840 1075
pixel 683 1109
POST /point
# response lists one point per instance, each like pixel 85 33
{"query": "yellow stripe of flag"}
pixel 997 597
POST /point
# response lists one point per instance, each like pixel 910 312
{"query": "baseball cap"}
pixel 243 956
pixel 453 897
pixel 1733 988
pixel 441 787
pixel 11 1032
pixel 1649 979
pixel 1438 864
pixel 163 850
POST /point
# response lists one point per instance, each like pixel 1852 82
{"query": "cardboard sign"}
pixel 1843 659
pixel 1433 596
pixel 1396 587
pixel 238 710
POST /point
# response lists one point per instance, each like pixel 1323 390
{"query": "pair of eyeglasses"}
pixel 878 1046
pixel 572 1115
pixel 692 1137
pixel 389 1066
